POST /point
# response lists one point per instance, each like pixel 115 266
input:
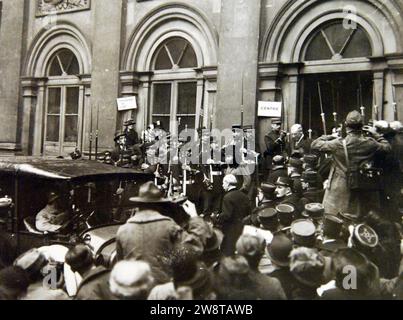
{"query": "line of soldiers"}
pixel 284 191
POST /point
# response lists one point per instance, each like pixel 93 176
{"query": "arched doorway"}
pixel 174 85
pixel 335 92
pixel 64 107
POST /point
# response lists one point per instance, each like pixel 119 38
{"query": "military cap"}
pixel 310 159
pixel 247 127
pixel 268 218
pixel 130 122
pixel 332 225
pixel 236 126
pixel 268 190
pixel 278 160
pixel 314 211
pixel 295 163
pixel 276 121
pixel 354 119
pixel 303 232
pixel 365 236
pixel 284 181
pixel 296 154
pixel 31 261
pixel 310 176
pixel 285 214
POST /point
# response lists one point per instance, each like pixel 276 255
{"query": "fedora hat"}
pixel 149 193
pixel 279 249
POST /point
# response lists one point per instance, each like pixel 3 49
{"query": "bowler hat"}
pixel 303 232
pixel 285 214
pixel 149 193
pixel 314 211
pixel 279 249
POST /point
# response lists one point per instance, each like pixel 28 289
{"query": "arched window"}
pixel 174 84
pixel 334 41
pixel 63 63
pixel 62 123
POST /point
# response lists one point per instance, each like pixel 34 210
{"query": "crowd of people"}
pixel 316 219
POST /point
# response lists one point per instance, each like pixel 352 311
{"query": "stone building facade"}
pixel 63 64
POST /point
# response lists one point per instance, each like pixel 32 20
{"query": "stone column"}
pixel 106 64
pixel 238 57
pixel 11 40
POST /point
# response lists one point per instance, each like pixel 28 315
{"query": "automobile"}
pixel 95 196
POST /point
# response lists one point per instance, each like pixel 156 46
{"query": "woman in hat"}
pixel 360 149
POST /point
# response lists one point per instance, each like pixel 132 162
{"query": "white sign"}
pixel 128 103
pixel 269 109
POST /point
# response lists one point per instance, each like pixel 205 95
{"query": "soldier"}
pixel 312 189
pixel 132 137
pixel 339 197
pixel 295 172
pixel 266 199
pixel 275 142
pixel 278 169
pixel 331 235
pixel 314 212
pixel 285 194
pixel 303 233
pixel 286 215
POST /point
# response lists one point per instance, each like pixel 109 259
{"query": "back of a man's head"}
pixel 80 258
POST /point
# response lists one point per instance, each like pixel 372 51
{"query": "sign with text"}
pixel 269 109
pixel 128 103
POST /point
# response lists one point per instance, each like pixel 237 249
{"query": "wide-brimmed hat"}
pixel 149 193
pixel 279 249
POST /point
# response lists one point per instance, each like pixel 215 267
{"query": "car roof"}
pixel 61 169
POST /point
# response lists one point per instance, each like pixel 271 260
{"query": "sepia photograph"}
pixel 225 152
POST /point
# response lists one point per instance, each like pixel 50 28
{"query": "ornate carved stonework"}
pixel 45 7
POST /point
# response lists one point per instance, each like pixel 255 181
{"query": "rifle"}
pixel 91 134
pixel 242 101
pixel 321 110
pixel 97 134
pixel 362 108
pixel 375 103
pixel 395 115
pixel 310 116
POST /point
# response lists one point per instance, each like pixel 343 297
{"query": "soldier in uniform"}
pixel 275 142
pixel 295 172
pixel 266 198
pixel 331 235
pixel 132 137
pixel 278 169
pixel 303 233
pixel 285 194
pixel 286 215
pixel 312 189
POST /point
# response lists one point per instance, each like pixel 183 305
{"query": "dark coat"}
pixel 312 195
pixel 287 280
pixel 94 285
pixel 338 197
pixel 339 294
pixel 294 200
pixel 328 247
pixel 151 237
pixel 267 288
pixel 274 147
pixel 235 207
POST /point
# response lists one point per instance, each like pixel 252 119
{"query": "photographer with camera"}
pixel 353 184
